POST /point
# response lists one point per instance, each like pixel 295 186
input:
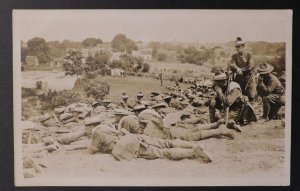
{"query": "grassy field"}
pixel 133 85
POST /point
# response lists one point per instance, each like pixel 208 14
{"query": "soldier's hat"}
pixel 140 94
pixel 220 77
pixel 144 121
pixel 106 101
pixel 154 93
pixel 265 68
pixel 162 104
pixel 124 95
pixel 166 97
pixel 122 112
pixel 239 42
pixel 139 107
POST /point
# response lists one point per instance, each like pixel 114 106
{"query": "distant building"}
pixel 116 56
pixel 57 62
pixel 32 61
pixel 105 47
pixel 146 54
pixel 117 72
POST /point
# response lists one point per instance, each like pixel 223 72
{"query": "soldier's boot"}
pixel 207 126
pixel 93 147
pixel 273 112
pixel 200 154
pixel 70 137
pixel 266 108
pixel 182 153
pixel 231 124
pixel 177 143
pixel 212 111
pixel 214 133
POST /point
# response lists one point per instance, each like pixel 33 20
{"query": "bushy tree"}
pixel 54 98
pixel 91 42
pixel 39 48
pixel 70 44
pixel 101 60
pixel 97 89
pixel 193 56
pixel 56 50
pixel 73 63
pixel 161 56
pixel 146 68
pixel 24 53
pixel 123 44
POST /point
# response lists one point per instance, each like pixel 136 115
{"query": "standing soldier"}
pixel 242 65
pixel 161 79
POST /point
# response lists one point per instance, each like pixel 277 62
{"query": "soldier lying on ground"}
pixel 154 127
pixel 126 146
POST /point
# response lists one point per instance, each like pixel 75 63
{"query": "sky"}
pixel 154 25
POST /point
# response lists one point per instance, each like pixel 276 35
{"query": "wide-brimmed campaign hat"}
pixel 139 107
pixel 140 94
pixel 166 97
pixel 265 68
pixel 239 42
pixel 122 112
pixel 220 77
pixel 124 95
pixel 154 93
pixel 162 104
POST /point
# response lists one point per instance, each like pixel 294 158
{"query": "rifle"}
pixel 246 86
pixel 229 78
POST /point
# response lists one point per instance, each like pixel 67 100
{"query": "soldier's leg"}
pixel 266 107
pixel 93 147
pixel 213 105
pixel 174 153
pixel 163 143
pixel 250 90
pixel 206 134
pixel 207 126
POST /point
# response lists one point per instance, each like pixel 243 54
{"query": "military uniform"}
pixel 131 146
pixel 234 100
pixel 243 66
pixel 272 93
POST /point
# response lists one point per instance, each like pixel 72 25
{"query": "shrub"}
pixel 146 68
pixel 27 92
pixel 55 98
pixel 96 88
pixel 161 56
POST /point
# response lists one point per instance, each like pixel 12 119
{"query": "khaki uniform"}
pixel 245 74
pixel 233 100
pixel 130 146
pixel 272 93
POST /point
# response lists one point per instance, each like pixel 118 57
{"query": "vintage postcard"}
pixel 152 97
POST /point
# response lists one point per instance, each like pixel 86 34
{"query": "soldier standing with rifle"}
pixel 242 65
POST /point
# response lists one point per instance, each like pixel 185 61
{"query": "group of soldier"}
pixel 171 124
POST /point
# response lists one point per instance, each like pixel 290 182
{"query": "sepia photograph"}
pixel 183 97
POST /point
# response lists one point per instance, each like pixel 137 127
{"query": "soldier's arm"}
pixel 230 98
pixel 261 87
pixel 233 67
pixel 250 60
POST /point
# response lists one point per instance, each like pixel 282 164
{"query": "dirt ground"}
pixel 257 151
